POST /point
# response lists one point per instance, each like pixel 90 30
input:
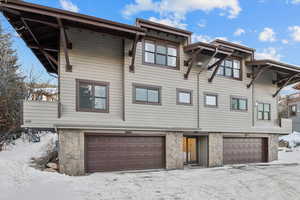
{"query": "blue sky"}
pixel 272 27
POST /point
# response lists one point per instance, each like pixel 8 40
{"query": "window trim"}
pixel 165 43
pixel 263 116
pixel 93 83
pixel 241 69
pixel 144 86
pixel 210 94
pixel 238 97
pixel 180 90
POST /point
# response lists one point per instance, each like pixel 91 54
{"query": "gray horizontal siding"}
pixel 99 57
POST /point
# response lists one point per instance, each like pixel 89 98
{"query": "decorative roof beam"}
pixel 191 63
pixel 258 74
pixel 37 43
pixel 286 83
pixel 42 22
pixel 217 64
pixel 46 49
pixel 63 37
pixel 132 53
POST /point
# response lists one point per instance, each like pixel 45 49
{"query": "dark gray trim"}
pixel 165 43
pixel 145 86
pixel 180 90
pixel 238 97
pixel 210 94
pixel 94 83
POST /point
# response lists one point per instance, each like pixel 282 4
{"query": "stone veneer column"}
pixel 71 152
pixel 273 147
pixel 174 154
pixel 215 146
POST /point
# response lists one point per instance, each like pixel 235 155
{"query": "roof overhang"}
pixel 287 74
pixel 208 49
pixel 142 23
pixel 236 47
pixel 42 21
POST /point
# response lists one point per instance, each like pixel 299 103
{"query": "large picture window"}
pixel 239 104
pixel 144 94
pixel 92 96
pixel 160 53
pixel 230 68
pixel 264 111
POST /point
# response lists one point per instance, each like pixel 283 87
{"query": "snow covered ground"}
pixel 19 181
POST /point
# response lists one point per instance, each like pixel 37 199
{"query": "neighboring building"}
pixel 290 107
pixel 145 97
pixel 43 94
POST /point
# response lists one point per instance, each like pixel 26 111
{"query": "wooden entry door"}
pixel 190 150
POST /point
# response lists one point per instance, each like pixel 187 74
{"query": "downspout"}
pixel 198 88
pixel 252 92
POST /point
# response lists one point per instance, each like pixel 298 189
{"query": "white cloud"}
pixel 239 32
pixel 268 53
pixel 295 33
pixel 202 24
pixel 169 22
pixel 295 1
pixel 68 5
pixel 267 35
pixel 284 41
pixel 206 38
pixel 177 9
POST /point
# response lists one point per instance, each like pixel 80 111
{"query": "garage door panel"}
pixel 114 153
pixel 244 150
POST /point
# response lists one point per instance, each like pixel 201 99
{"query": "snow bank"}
pixel 293 139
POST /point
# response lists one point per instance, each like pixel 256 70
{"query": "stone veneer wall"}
pixel 215 149
pixel 174 155
pixel 273 147
pixel 71 152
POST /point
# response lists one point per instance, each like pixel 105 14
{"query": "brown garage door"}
pixel 115 153
pixel 245 150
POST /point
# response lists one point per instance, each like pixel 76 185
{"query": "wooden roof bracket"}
pixel 63 37
pixel 286 83
pixel 132 53
pixel 191 62
pixel 48 56
pixel 217 64
pixel 258 74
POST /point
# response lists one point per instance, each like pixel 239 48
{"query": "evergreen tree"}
pixel 11 85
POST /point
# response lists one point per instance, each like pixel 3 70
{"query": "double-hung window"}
pixel 264 111
pixel 239 104
pixel 160 54
pixel 92 96
pixel 230 68
pixel 144 94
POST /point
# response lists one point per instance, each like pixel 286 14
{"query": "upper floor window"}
pixel 211 100
pixel 184 97
pixel 160 53
pixel 239 104
pixel 145 94
pixel 264 111
pixel 230 68
pixel 293 110
pixel 92 96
